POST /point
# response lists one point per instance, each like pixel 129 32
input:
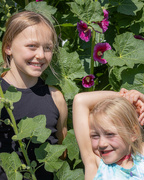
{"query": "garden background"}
pixel 101 46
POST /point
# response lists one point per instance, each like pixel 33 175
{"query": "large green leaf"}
pixel 72 146
pixel 69 68
pixel 128 7
pixel 128 51
pixel 89 11
pixel 66 174
pixel 10 163
pixel 33 128
pixel 115 77
pixel 12 94
pixel 133 78
pixel 43 8
pixel 49 155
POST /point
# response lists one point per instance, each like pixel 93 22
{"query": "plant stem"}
pixel 16 132
pixel 92 49
pixel 92 60
pixel 26 2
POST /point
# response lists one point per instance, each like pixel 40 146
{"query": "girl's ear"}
pixel 133 138
pixel 8 50
pixel 135 133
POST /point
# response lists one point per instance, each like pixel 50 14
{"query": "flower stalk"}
pixel 26 2
pixel 92 50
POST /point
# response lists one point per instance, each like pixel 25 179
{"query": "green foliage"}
pixel 33 128
pixel 125 68
pixel 11 163
pixel 127 51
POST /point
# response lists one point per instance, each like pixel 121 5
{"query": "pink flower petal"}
pixel 106 13
pixel 84 31
pixel 138 37
pixel 99 49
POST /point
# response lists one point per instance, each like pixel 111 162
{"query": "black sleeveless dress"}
pixel 35 101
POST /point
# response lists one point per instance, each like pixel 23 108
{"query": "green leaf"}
pixel 128 51
pixel 88 11
pixel 10 163
pixel 49 155
pixel 127 7
pixel 69 68
pixel 42 8
pixel 12 94
pixel 133 78
pixel 66 174
pixel 115 77
pixel 33 128
pixel 72 146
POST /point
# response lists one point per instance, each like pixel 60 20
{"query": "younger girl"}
pixel 28 45
pixel 109 136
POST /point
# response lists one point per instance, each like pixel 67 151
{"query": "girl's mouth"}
pixel 105 153
pixel 35 64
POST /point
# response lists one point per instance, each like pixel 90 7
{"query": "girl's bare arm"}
pixel 82 105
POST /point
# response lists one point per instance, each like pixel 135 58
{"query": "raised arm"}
pixel 82 105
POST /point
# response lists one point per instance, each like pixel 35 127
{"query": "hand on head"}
pixel 137 99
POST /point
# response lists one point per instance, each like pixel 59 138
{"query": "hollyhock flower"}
pixel 99 49
pixel 84 31
pixel 104 23
pixel 106 13
pixel 139 37
pixel 88 81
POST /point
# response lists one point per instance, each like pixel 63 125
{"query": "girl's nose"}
pixel 40 53
pixel 103 143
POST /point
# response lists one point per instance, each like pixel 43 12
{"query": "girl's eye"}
pixel 48 48
pixel 32 46
pixel 95 136
pixel 110 135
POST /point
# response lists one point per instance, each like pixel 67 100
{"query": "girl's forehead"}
pixel 102 122
pixel 38 32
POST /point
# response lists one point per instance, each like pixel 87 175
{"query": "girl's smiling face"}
pixel 106 142
pixel 31 50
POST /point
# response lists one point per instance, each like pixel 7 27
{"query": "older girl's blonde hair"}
pixel 124 117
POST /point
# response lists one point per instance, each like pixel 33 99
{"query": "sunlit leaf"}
pixel 33 128
pixel 49 155
pixel 128 51
pixel 10 163
pixel 72 146
pixel 13 94
pixel 66 174
pixel 43 8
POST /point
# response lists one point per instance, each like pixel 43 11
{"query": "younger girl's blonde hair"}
pixel 124 117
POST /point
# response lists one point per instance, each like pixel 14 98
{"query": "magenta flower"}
pixel 84 31
pixel 99 49
pixel 88 81
pixel 104 23
pixel 106 13
pixel 139 37
pixel 38 0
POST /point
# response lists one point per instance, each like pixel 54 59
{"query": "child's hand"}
pixel 137 99
pixel 132 95
pixel 140 110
